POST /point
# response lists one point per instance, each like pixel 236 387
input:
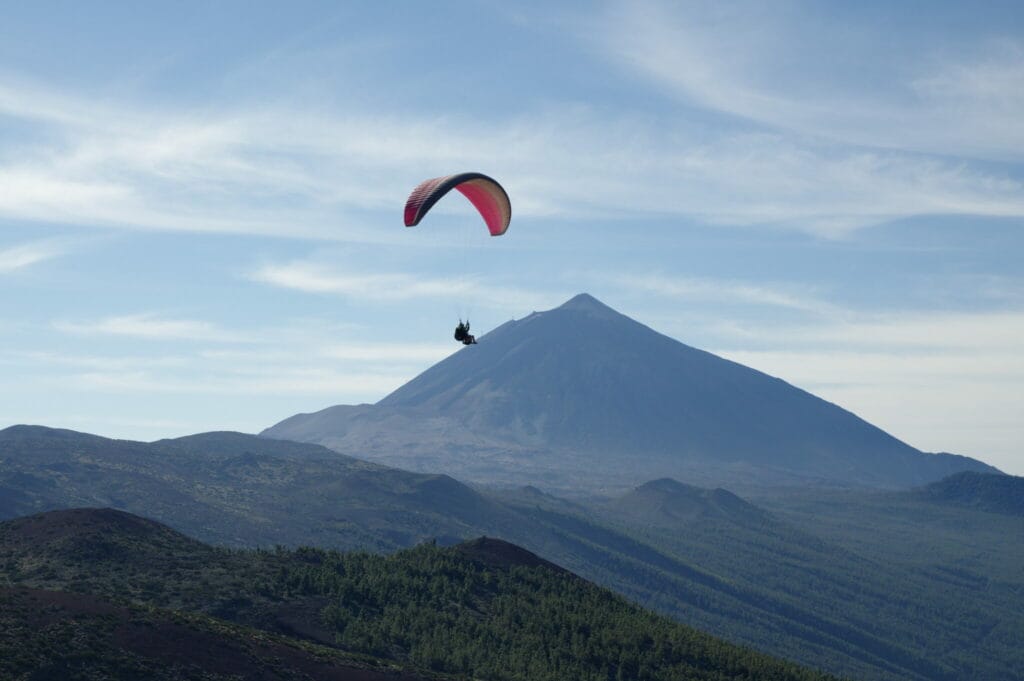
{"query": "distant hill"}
pixel 704 556
pixel 584 397
pixel 96 534
pixel 669 502
pixel 239 490
pixel 484 610
pixel 100 593
pixel 981 491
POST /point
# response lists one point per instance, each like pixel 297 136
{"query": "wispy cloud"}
pixel 313 277
pixel 297 381
pixel 752 61
pixel 949 401
pixel 975 334
pixel 98 362
pixel 25 255
pixel 727 291
pixel 297 357
pixel 389 352
pixel 296 172
pixel 940 381
pixel 152 326
pixel 316 349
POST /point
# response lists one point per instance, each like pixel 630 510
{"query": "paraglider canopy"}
pixel 484 193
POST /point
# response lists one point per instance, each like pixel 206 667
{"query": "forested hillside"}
pixel 488 610
pixel 806 575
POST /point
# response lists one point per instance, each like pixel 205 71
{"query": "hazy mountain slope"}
pixel 968 547
pixel 240 490
pixel 834 568
pixel 487 610
pixel 811 587
pixel 981 491
pixel 589 395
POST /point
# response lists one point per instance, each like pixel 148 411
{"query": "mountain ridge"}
pixel 586 394
pixel 237 489
pixel 731 574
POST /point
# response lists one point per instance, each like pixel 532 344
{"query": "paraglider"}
pixel 463 335
pixel 484 193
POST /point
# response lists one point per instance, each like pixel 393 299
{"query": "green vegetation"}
pixel 1002 494
pixel 444 610
pixel 71 637
pixel 869 585
pixel 918 585
pixel 437 609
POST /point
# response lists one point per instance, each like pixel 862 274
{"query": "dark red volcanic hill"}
pixel 88 637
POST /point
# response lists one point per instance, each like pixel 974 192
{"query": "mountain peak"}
pixel 584 393
pixel 584 302
pixel 664 485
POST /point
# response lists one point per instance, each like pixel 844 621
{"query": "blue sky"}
pixel 200 205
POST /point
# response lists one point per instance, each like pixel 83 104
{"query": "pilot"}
pixel 462 333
